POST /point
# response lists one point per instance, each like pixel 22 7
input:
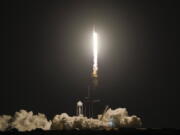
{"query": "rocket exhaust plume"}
pixel 95 54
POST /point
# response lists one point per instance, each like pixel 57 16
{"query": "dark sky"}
pixel 47 57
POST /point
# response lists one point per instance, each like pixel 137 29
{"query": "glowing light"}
pixel 95 54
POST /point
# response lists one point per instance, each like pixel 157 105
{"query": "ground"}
pixel 123 131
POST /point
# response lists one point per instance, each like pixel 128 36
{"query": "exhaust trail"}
pixel 95 54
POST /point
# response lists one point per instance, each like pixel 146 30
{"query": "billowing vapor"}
pixel 5 122
pixel 64 121
pixel 120 118
pixel 112 118
pixel 27 121
pixel 24 121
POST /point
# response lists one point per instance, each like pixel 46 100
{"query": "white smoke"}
pixel 24 121
pixel 4 122
pixel 112 118
pixel 120 118
pixel 66 122
pixel 27 121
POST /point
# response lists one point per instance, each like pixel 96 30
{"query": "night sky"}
pixel 47 57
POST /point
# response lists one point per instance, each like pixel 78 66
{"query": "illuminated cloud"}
pixel 120 118
pixel 66 122
pixel 27 121
pixel 112 118
pixel 5 122
pixel 24 121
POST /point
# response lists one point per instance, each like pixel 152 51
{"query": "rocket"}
pixel 95 53
pixel 94 77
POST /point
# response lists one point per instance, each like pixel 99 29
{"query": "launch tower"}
pixel 89 100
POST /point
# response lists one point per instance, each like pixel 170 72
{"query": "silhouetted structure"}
pixel 89 100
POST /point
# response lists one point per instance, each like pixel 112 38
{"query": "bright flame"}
pixel 95 54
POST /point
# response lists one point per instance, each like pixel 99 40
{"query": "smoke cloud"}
pixel 24 121
pixel 120 118
pixel 4 122
pixel 27 121
pixel 64 121
pixel 112 118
